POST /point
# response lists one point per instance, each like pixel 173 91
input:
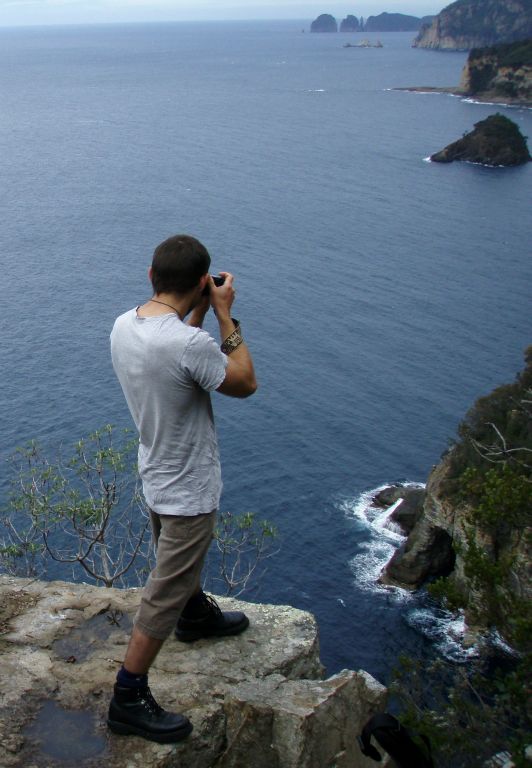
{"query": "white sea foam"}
pixel 446 630
pixel 471 100
pixel 427 159
pixel 384 536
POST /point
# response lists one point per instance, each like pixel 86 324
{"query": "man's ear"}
pixel 150 272
pixel 203 282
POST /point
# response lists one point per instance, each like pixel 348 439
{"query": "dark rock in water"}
pixel 408 512
pixel 428 552
pixel 494 141
pixel 410 509
pixel 350 24
pixel 388 496
pixel 324 23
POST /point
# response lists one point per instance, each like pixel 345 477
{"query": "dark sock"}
pixel 195 607
pixel 128 680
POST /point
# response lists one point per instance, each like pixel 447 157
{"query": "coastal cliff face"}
pixel 468 24
pixel 476 522
pixel 499 72
pixel 438 541
pixel 258 699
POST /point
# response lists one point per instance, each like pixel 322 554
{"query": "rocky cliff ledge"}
pixel 467 24
pixel 258 700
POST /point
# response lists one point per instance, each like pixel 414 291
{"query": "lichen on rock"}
pixel 258 699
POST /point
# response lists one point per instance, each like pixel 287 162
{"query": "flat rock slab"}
pixel 258 695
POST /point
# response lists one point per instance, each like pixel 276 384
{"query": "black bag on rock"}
pixel 396 740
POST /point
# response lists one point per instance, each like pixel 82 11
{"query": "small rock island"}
pixel 495 141
pixel 324 23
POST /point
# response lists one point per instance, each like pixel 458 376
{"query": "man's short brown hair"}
pixel 178 264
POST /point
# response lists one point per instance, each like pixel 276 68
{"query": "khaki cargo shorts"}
pixel 181 543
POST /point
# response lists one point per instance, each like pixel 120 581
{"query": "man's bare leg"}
pixel 133 710
pixel 141 652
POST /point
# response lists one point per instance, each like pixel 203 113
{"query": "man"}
pixel 167 367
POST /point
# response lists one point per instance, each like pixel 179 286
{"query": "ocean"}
pixel 380 294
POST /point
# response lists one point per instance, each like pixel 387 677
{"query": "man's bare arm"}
pixel 240 378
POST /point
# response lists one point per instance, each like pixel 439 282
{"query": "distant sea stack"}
pixel 384 22
pixel 467 24
pixel 494 141
pixel 324 23
pixel 501 72
pixel 393 22
pixel 350 24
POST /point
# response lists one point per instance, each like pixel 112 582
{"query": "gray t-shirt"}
pixel 167 369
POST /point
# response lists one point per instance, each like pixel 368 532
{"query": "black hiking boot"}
pixel 134 711
pixel 202 617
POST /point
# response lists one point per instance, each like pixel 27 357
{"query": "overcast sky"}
pixel 30 12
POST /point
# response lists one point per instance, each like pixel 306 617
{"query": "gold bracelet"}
pixel 233 341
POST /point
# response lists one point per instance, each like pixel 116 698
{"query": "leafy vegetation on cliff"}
pixel 473 712
pixel 508 410
pixel 502 70
pixel 491 476
pixel 506 55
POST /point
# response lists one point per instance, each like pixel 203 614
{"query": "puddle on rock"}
pixel 66 736
pixel 83 640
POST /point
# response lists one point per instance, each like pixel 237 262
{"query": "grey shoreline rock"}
pixel 257 700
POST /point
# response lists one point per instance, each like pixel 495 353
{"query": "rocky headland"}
pixel 259 699
pixel 500 74
pixel 472 524
pixel 467 24
pixel 495 141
